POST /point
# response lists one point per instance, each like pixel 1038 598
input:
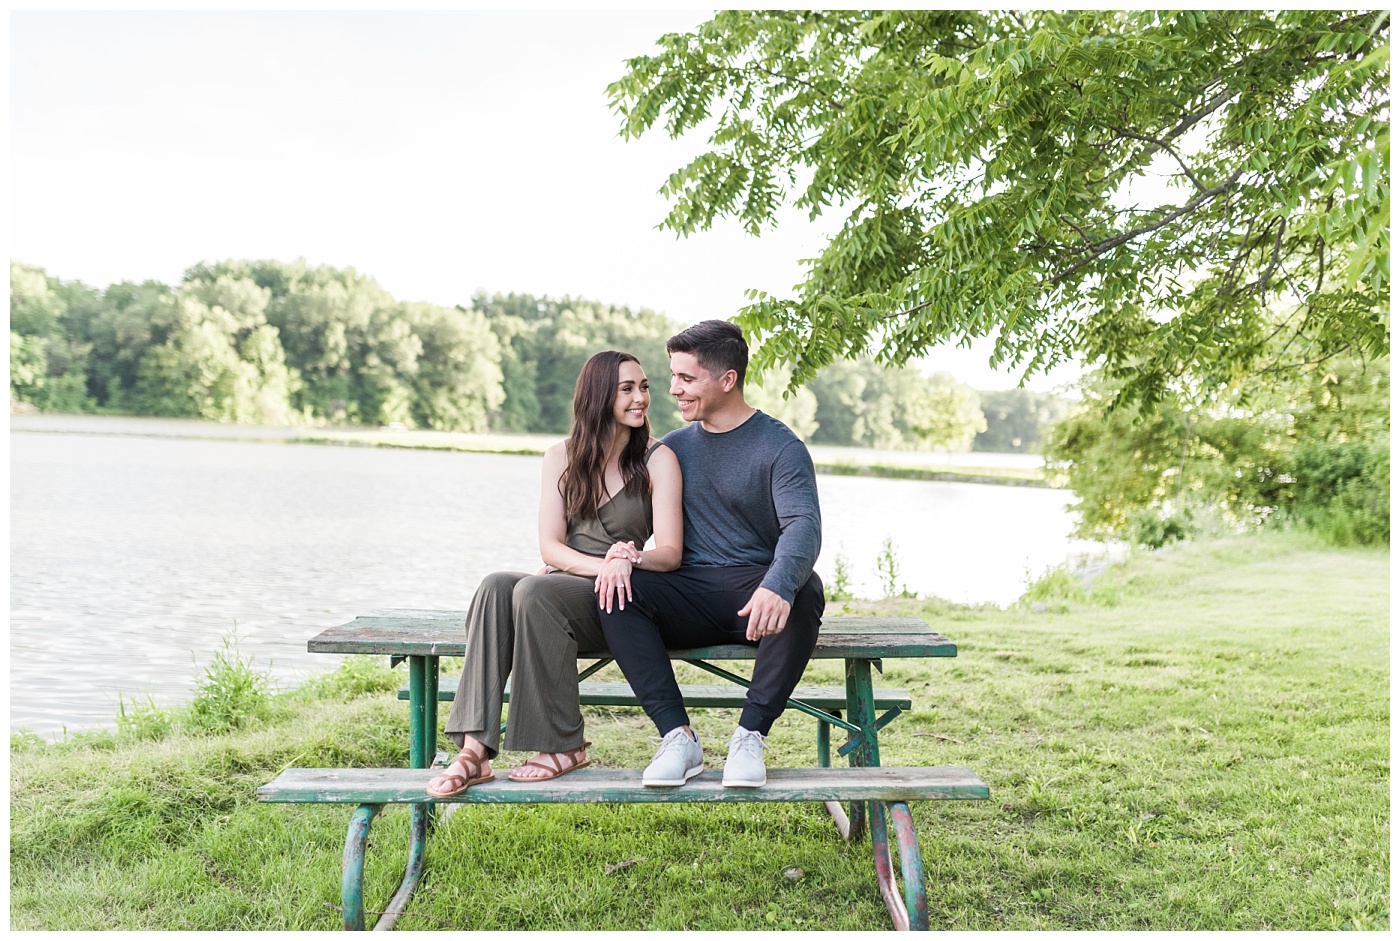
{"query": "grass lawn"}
pixel 1199 742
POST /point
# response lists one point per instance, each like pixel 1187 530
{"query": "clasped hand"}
pixel 614 580
pixel 624 550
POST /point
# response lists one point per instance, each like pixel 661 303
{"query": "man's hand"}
pixel 767 613
pixel 615 580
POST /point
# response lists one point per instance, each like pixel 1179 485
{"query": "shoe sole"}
pixel 727 783
pixel 673 782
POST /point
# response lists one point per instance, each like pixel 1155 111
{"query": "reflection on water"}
pixel 131 558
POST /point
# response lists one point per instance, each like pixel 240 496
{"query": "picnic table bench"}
pixel 878 797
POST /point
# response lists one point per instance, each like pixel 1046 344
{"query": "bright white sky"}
pixel 440 153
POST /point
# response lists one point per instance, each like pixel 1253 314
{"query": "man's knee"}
pixel 810 600
pixel 647 584
pixel 641 610
pixel 805 619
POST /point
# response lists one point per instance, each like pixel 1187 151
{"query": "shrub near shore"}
pixel 1197 740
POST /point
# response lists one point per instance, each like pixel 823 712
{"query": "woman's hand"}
pixel 615 577
pixel 624 550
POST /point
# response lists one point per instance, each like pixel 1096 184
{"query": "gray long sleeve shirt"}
pixel 750 499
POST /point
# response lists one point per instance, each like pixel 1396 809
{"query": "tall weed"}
pixel 840 587
pixel 23 740
pixel 231 695
pixel 887 565
pixel 144 721
pixel 1057 588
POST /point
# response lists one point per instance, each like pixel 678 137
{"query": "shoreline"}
pixel 827 459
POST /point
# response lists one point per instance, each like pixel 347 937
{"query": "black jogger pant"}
pixel 697 606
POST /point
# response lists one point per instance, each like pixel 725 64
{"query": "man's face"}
pixel 697 392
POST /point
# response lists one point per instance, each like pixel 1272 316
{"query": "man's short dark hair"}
pixel 718 345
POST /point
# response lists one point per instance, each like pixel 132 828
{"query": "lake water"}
pixel 131 558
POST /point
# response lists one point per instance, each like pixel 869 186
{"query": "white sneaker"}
pixel 679 759
pixel 744 766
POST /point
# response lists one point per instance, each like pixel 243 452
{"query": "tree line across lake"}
pixel 269 342
pixel 276 343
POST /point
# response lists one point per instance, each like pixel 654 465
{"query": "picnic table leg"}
pixel 422 711
pixel 838 813
pixel 911 911
pixel 430 721
pixel 860 710
pixel 417 850
pixel 352 868
pixel 824 742
pixel 422 746
pixel 912 865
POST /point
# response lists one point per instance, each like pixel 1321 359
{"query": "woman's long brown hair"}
pixel 591 436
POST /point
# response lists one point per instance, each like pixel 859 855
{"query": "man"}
pixel 752 531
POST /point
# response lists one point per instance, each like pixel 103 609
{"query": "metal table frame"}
pixel 863 643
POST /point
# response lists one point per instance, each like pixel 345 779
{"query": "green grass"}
pixel 1199 740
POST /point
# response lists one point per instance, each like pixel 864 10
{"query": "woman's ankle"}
pixel 475 748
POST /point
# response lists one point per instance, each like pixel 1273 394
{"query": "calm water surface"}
pixel 132 558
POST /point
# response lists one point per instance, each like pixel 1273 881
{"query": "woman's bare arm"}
pixel 554 526
pixel 667 522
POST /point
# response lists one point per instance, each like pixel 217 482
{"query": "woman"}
pixel 604 491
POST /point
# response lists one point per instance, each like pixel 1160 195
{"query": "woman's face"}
pixel 633 396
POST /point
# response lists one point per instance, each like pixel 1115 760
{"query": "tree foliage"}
pixel 46 363
pixel 861 403
pixel 268 342
pixel 1017 420
pixel 1312 447
pixel 360 355
pixel 992 172
pixel 547 341
pixel 797 410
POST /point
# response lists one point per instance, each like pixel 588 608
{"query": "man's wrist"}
pixel 780 593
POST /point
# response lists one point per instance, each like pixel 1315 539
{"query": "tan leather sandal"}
pixel 449 782
pixel 556 763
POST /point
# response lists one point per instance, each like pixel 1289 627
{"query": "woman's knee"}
pixel 531 590
pixel 498 585
pixel 553 596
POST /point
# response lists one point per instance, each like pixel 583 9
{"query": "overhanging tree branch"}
pixel 1160 145
pixel 1153 83
pixel 905 313
pixel 1207 109
pixel 1082 234
pixel 1098 248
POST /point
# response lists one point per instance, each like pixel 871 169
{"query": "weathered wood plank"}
pixel 411 632
pixel 842 623
pixel 599 785
pixel 701 697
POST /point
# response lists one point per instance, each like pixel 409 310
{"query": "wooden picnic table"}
pixel 423 637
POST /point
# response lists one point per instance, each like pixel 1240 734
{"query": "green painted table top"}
pixel 417 633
